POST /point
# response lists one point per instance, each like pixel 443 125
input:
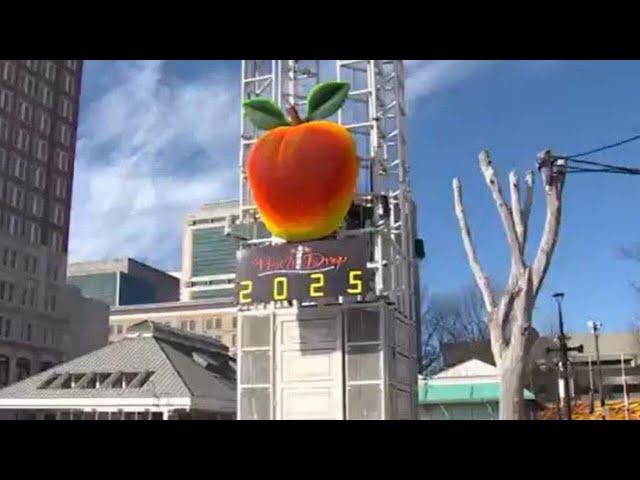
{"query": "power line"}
pixel 574 165
pixel 605 147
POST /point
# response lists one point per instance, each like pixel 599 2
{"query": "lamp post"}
pixel 595 329
pixel 564 356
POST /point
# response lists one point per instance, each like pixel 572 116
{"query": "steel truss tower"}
pixel 379 374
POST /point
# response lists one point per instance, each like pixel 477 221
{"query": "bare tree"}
pixel 451 318
pixel 508 315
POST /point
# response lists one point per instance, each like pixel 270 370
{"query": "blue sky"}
pixel 157 139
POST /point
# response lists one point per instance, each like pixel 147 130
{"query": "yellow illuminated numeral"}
pixel 280 288
pixel 316 285
pixel 245 292
pixel 355 284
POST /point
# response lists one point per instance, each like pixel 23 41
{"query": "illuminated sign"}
pixel 307 272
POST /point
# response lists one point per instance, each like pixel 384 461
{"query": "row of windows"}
pixel 186 325
pixel 22 366
pixel 27 296
pixel 21 137
pixel 16 226
pixel 29 262
pixel 15 196
pixel 17 167
pixel 25 110
pixel 48 69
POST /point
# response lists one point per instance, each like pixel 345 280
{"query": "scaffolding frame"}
pixel 375 114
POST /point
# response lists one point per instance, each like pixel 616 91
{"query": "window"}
pixel 45 365
pixel 9 71
pixel 4 130
pixel 32 64
pixel 24 296
pixel 37 205
pixel 62 160
pixel 15 225
pixel 52 272
pixel 49 71
pixel 9 257
pixel 119 329
pixel 34 235
pixel 69 84
pixel 7 327
pixel 23 368
pixel 50 302
pixel 64 134
pixel 66 108
pixel 6 291
pixel 41 149
pixel 4 370
pixel 192 325
pixel 233 340
pixel 33 296
pixel 218 323
pixel 18 166
pixel 56 241
pixel 21 139
pixel 112 329
pixel 27 83
pixel 57 214
pixel 60 187
pixel 44 122
pixel 15 195
pixel 6 100
pixel 47 96
pixel 209 324
pixel 39 178
pixel 70 64
pixel 3 159
pixel 183 325
pixel 28 332
pixel 234 322
pixel 25 111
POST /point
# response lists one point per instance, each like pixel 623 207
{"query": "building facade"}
pixel 123 281
pixel 208 255
pixel 38 123
pixel 210 317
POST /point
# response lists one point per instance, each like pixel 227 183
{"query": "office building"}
pixel 38 312
pixel 208 255
pixel 124 281
pixel 214 317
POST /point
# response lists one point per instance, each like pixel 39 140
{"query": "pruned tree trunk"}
pixel 509 316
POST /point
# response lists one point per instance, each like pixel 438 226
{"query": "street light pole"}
pixel 595 329
pixel 564 357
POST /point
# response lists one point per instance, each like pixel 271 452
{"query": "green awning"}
pixel 463 393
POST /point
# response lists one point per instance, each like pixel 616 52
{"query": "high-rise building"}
pixel 38 123
pixel 124 281
pixel 208 255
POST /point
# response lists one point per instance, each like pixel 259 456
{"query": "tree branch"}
pixel 481 279
pixel 506 216
pixel 516 209
pixel 553 194
pixel 526 209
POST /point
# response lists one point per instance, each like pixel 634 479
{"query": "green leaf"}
pixel 263 113
pixel 325 99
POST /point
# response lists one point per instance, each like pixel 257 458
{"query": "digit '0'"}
pixel 280 288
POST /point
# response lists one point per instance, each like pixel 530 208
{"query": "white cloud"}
pixel 148 153
pixel 426 77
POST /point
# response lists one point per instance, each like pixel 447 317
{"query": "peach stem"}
pixel 293 114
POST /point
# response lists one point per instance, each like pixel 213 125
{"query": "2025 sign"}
pixel 309 271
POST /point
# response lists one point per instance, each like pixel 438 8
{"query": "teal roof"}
pixel 463 393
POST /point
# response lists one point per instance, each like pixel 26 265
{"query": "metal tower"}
pixel 379 370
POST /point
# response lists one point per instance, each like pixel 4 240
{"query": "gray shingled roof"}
pixel 170 357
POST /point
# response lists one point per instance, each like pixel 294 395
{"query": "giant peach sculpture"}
pixel 302 173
